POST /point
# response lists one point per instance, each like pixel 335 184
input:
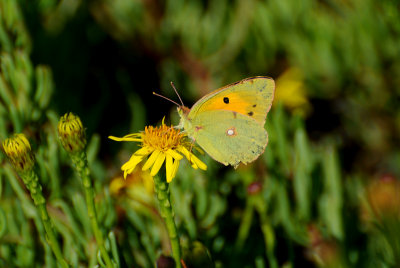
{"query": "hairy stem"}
pixel 163 196
pixel 31 181
pixel 80 161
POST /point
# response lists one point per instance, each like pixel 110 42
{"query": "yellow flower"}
pixel 18 151
pixel 291 92
pixel 161 144
pixel 137 179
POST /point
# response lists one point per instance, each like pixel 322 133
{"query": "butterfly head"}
pixel 183 112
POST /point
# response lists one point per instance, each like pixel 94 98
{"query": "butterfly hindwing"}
pixel 229 137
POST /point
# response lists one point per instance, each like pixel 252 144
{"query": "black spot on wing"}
pixel 226 100
pixel 250 113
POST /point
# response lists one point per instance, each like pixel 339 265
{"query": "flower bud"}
pixel 71 133
pixel 18 151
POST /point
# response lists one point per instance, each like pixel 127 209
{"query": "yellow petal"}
pixel 130 137
pixel 144 151
pixel 198 162
pixel 133 135
pixel 129 166
pixel 169 167
pixel 174 170
pixel 194 161
pixel 194 166
pixel 184 151
pixel 153 157
pixel 174 154
pixel 157 165
pixel 133 161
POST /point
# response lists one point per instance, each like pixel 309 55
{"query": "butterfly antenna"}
pixel 177 104
pixel 176 91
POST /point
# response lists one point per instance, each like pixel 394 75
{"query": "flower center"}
pixel 162 138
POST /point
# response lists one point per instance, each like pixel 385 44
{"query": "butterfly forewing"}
pixel 251 97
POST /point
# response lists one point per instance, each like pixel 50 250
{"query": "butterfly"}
pixel 228 123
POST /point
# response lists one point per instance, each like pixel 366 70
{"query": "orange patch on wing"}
pixel 231 101
pixel 236 102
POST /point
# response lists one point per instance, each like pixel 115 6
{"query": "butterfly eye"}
pixel 226 100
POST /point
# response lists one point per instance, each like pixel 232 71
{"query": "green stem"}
pixel 245 224
pixel 267 230
pixel 80 161
pixel 31 181
pixel 162 191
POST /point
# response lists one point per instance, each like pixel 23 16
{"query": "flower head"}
pixel 18 150
pixel 292 92
pixel 71 133
pixel 160 144
pixel 137 185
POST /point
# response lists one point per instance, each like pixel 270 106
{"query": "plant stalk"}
pixel 163 196
pixel 80 161
pixel 31 180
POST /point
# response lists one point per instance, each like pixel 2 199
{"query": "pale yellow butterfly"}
pixel 229 122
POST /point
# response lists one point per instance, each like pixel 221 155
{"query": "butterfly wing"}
pixel 251 97
pixel 229 122
pixel 229 137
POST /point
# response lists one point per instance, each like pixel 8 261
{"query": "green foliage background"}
pixel 325 192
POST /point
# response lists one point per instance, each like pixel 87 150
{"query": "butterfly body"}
pixel 229 122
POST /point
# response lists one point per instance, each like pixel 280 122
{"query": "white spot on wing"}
pixel 231 132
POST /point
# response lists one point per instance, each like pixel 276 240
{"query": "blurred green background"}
pixel 324 194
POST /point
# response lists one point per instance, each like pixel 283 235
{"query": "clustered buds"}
pixel 71 133
pixel 18 151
